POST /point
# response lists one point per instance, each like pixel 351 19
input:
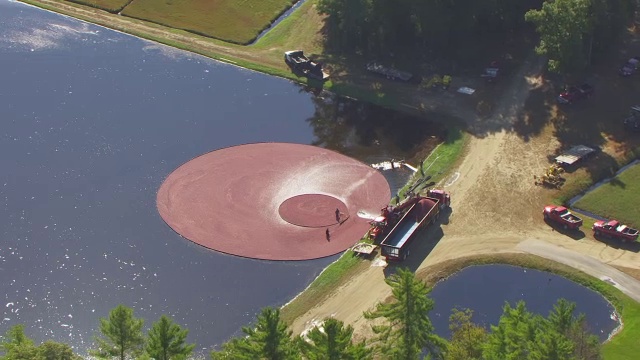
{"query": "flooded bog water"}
pixel 484 289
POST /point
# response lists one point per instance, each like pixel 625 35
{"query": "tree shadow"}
pixel 362 130
pixel 445 214
pixel 618 244
pixel 598 165
pixel 615 181
pixel 425 241
pixel 536 112
pixel 575 234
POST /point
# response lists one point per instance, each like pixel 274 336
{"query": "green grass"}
pixel 617 199
pixel 109 5
pixel 442 159
pixel 624 345
pixel 236 21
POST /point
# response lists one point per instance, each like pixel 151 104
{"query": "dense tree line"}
pixel 121 338
pixel 402 327
pixel 420 26
pixel 570 30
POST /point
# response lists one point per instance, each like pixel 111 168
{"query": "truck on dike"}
pixel 423 212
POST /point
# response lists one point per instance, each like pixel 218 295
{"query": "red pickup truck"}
pixel 575 93
pixel 562 216
pixel 614 229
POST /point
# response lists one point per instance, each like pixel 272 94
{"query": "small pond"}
pixel 486 288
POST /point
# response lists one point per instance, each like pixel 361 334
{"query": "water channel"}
pixel 486 288
pixel 92 121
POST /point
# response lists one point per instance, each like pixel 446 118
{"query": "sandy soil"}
pixel 496 209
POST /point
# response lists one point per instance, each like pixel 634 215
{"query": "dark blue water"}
pixel 91 122
pixel 484 289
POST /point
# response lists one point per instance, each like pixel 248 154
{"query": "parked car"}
pixel 630 67
pixel 632 122
pixel 491 73
pixel 575 93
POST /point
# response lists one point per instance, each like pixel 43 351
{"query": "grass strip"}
pixel 442 159
pixel 617 199
pixel 581 180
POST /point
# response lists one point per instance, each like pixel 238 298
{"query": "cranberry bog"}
pixel 616 198
pixel 233 21
pixel 229 20
pixel 112 6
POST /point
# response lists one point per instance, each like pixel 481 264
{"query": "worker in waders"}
pixel 328 235
pixel 337 216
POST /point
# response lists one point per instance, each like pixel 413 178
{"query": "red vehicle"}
pixel 614 229
pixel 390 215
pixel 443 197
pixel 575 93
pixel 422 213
pixel 562 216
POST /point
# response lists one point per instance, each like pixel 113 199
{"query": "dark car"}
pixel 575 93
pixel 632 122
pixel 630 67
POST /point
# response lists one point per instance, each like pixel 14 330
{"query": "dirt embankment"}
pixel 496 209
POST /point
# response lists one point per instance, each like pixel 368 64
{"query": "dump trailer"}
pixel 302 65
pixel 422 213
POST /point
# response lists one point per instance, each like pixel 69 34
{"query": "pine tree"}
pixel 122 334
pixel 333 341
pixel 514 336
pixel 269 339
pixel 406 329
pixel 166 341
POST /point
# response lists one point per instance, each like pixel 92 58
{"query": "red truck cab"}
pixel 614 229
pixel 443 197
pixel 562 216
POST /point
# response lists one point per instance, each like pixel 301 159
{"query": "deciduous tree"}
pixel 51 350
pixel 166 341
pixel 563 26
pixel 17 346
pixel 406 328
pixel 467 338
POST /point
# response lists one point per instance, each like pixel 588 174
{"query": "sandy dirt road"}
pixel 496 209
